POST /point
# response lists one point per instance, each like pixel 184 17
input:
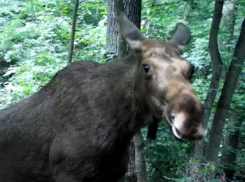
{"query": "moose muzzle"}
pixel 185 115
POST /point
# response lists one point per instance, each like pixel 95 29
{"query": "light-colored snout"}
pixel 185 129
pixel 186 119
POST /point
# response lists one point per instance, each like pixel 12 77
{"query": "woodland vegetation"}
pixel 36 39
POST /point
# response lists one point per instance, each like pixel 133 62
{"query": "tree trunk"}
pixel 215 58
pixel 140 166
pixel 229 14
pixel 112 29
pixel 187 11
pixel 231 141
pixel 226 96
pixel 214 84
pixel 133 12
pixel 132 9
pixel 121 43
pixel 216 72
pixel 73 29
pixel 130 175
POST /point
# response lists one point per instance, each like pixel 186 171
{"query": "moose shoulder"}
pixel 78 127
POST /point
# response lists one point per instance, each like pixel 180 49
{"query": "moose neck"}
pixel 129 96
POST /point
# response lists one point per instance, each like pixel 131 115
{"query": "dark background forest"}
pixel 35 41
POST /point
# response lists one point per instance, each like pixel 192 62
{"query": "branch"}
pixel 172 179
pixel 73 29
pixel 164 4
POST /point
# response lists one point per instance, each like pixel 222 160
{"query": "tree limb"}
pixel 73 29
pixel 164 4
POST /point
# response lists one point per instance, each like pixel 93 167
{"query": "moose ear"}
pixel 130 32
pixel 182 35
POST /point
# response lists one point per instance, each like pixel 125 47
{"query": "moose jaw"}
pixel 78 127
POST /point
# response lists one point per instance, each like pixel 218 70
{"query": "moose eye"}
pixel 146 68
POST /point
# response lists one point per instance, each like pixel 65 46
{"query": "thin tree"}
pixel 117 45
pixel 112 30
pixel 227 92
pixel 216 71
pixel 229 157
pixel 231 138
pixel 132 8
pixel 121 7
pixel 73 29
pixel 214 84
pixel 215 58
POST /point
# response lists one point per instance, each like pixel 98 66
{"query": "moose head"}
pixel 165 76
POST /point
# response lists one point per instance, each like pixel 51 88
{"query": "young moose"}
pixel 78 127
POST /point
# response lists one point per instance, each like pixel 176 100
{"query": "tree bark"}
pixel 132 9
pixel 73 29
pixel 121 43
pixel 130 175
pixel 226 96
pixel 112 28
pixel 140 165
pixel 232 141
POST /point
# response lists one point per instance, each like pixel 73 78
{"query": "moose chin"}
pixel 78 127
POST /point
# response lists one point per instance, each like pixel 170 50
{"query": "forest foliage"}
pixel 35 37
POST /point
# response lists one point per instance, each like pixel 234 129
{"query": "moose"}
pixel 78 127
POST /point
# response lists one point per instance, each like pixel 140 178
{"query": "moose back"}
pixel 78 127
